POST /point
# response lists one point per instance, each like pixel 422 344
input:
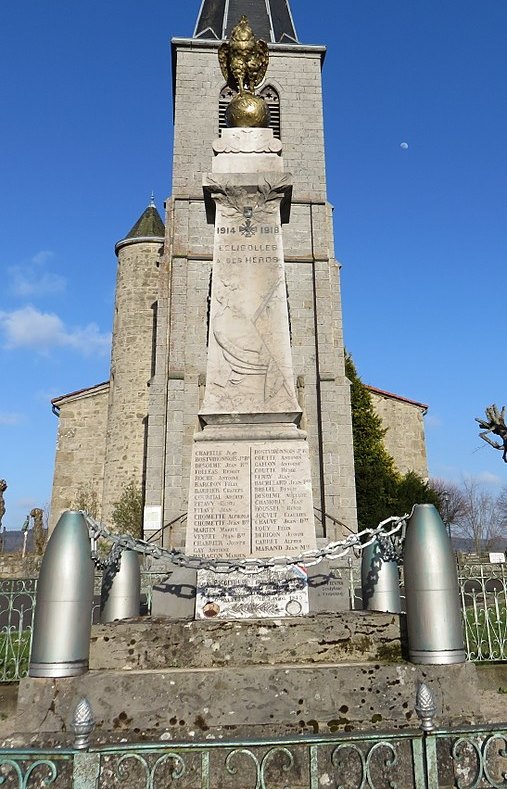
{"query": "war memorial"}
pixel 252 670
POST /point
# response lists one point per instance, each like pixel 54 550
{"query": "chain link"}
pixel 389 532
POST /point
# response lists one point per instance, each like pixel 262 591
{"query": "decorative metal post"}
pixel 62 622
pixel 121 588
pixel 434 621
pixel 83 723
pixel 380 579
pixel 425 707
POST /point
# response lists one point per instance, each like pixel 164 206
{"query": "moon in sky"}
pixel 404 146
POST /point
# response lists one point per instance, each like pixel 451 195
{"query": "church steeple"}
pixel 270 20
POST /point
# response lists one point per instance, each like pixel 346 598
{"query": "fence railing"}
pixel 466 758
pixel 483 591
pixel 17 605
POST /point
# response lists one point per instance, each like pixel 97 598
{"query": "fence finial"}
pixel 425 706
pixel 83 723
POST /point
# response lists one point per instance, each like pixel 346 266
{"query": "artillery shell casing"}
pixel 434 619
pixel 62 620
pixel 121 589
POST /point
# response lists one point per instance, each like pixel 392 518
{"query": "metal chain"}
pixel 113 558
pixel 334 550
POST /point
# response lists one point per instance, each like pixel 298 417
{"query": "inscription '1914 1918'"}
pixel 264 230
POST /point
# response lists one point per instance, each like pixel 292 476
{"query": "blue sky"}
pixel 85 135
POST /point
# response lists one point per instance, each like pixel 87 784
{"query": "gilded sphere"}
pixel 247 110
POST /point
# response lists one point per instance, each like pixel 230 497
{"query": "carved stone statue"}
pixel 494 423
pixel 244 61
pixel 3 488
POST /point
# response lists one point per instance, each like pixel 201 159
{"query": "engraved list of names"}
pixel 250 498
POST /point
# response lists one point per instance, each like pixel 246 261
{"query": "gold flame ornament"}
pixel 244 61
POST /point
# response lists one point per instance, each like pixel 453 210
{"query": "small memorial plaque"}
pixel 271 593
pixel 152 520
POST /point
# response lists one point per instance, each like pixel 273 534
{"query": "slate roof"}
pixel 270 20
pixel 149 225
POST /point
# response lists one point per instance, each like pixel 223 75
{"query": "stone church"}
pixel 138 426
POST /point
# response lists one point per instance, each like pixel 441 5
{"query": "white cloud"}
pixel 487 478
pixel 28 327
pixel 433 421
pixel 10 418
pixel 32 279
pixel 42 257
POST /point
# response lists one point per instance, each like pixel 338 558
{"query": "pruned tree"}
pixel 494 423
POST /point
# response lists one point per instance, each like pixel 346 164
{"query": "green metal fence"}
pixel 467 758
pixel 17 604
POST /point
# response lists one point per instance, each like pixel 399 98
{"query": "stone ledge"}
pixel 344 637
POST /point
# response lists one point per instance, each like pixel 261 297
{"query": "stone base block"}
pixel 150 644
pixel 251 701
pixel 174 597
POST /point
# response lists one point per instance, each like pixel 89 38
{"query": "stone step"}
pixel 254 701
pixel 346 637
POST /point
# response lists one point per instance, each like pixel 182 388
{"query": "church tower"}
pixel 293 91
pixel 139 425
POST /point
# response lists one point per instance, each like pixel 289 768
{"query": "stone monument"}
pixel 250 485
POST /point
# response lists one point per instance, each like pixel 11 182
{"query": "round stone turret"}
pixel 134 329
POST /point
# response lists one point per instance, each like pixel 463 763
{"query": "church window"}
pixel 270 96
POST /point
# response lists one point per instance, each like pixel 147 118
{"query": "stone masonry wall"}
pixel 80 449
pixel 131 369
pixel 404 439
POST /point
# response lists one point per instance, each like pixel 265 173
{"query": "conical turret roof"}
pixel 270 20
pixel 149 225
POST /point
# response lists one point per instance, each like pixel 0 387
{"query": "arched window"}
pixel 270 96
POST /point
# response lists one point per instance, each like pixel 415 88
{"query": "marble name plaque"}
pixel 272 593
pixel 250 499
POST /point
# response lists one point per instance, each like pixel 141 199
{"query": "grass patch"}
pixel 14 655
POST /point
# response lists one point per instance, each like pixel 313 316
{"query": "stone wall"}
pixel 404 440
pixel 14 566
pixel 80 448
